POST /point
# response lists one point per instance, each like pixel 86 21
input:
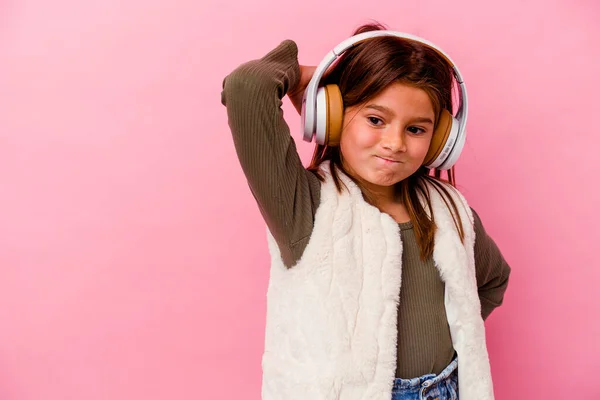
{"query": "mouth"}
pixel 389 160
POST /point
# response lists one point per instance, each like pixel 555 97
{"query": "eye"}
pixel 416 130
pixel 375 120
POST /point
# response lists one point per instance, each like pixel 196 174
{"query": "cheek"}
pixel 369 138
pixel 419 148
pixel 357 137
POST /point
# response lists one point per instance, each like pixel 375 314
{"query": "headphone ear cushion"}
pixel 335 114
pixel 439 138
pixel 329 115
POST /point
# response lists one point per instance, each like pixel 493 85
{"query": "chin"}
pixel 385 179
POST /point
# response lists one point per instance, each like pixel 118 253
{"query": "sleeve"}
pixel 491 268
pixel 286 193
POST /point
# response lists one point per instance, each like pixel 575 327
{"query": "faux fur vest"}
pixel 331 326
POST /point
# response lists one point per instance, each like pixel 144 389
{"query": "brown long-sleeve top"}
pixel 288 196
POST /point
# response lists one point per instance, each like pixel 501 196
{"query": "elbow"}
pixel 245 79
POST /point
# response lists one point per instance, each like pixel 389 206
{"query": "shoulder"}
pixel 476 218
pixel 335 183
pixel 480 232
pixel 449 196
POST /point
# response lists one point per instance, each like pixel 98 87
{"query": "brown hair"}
pixel 361 73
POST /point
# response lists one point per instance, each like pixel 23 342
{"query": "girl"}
pixel 381 274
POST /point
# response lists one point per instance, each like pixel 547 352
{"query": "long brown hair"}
pixel 361 73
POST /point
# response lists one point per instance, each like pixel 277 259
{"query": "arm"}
pixel 286 193
pixel 491 269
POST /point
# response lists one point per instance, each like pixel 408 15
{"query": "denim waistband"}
pixel 426 380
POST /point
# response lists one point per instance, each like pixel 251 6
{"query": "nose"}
pixel 393 141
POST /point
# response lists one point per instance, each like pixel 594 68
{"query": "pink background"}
pixel 133 261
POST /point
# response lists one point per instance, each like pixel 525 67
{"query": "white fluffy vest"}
pixel 331 326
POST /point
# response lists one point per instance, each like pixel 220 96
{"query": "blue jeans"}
pixel 429 387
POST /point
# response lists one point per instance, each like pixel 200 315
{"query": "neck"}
pixel 380 195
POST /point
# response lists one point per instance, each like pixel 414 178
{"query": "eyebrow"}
pixel 389 111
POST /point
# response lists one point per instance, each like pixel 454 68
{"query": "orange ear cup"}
pixel 439 138
pixel 335 115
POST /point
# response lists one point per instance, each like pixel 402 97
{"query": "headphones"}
pixel 323 108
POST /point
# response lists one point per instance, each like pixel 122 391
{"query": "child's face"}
pixel 386 139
